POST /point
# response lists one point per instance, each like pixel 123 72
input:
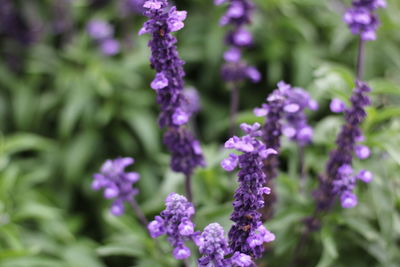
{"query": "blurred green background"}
pixel 65 108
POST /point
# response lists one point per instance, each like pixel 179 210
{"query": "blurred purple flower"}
pixel 361 18
pixel 117 183
pixel 100 29
pixel 109 47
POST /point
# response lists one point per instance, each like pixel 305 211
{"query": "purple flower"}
pixel 214 249
pixel 361 18
pixel 339 180
pixel 100 29
pixel 117 183
pixel 247 234
pixel 175 222
pixel 109 47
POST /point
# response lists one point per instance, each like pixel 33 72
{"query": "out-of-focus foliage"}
pixel 65 108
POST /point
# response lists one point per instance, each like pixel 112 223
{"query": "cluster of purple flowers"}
pixel 288 103
pixel 284 112
pixel 362 19
pixel 175 222
pixel 214 249
pixel 117 183
pixel 339 179
pixel 238 15
pixel 247 235
pixel 168 83
pixel 102 32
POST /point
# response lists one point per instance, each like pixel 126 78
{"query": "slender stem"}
pixel 234 109
pixel 360 59
pixel 186 263
pixel 139 212
pixel 302 167
pixel 299 247
pixel 188 187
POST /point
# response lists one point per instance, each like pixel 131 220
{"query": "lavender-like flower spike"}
pixel 117 183
pixel 340 180
pixel 175 222
pixel 247 235
pixel 168 83
pixel 362 18
pixel 214 248
pixel 236 70
pixel 238 15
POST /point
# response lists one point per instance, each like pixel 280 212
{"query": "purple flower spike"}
pixel 117 183
pixel 238 16
pixel 247 235
pixel 175 222
pixel 176 107
pixel 337 105
pixel 214 248
pixel 339 179
pixel 165 58
pixel 362 19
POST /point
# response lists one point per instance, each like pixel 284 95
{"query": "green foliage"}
pixel 69 108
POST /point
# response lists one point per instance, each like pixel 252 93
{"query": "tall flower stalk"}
pixel 284 115
pixel 248 234
pixel 235 70
pixel 339 179
pixel 168 84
